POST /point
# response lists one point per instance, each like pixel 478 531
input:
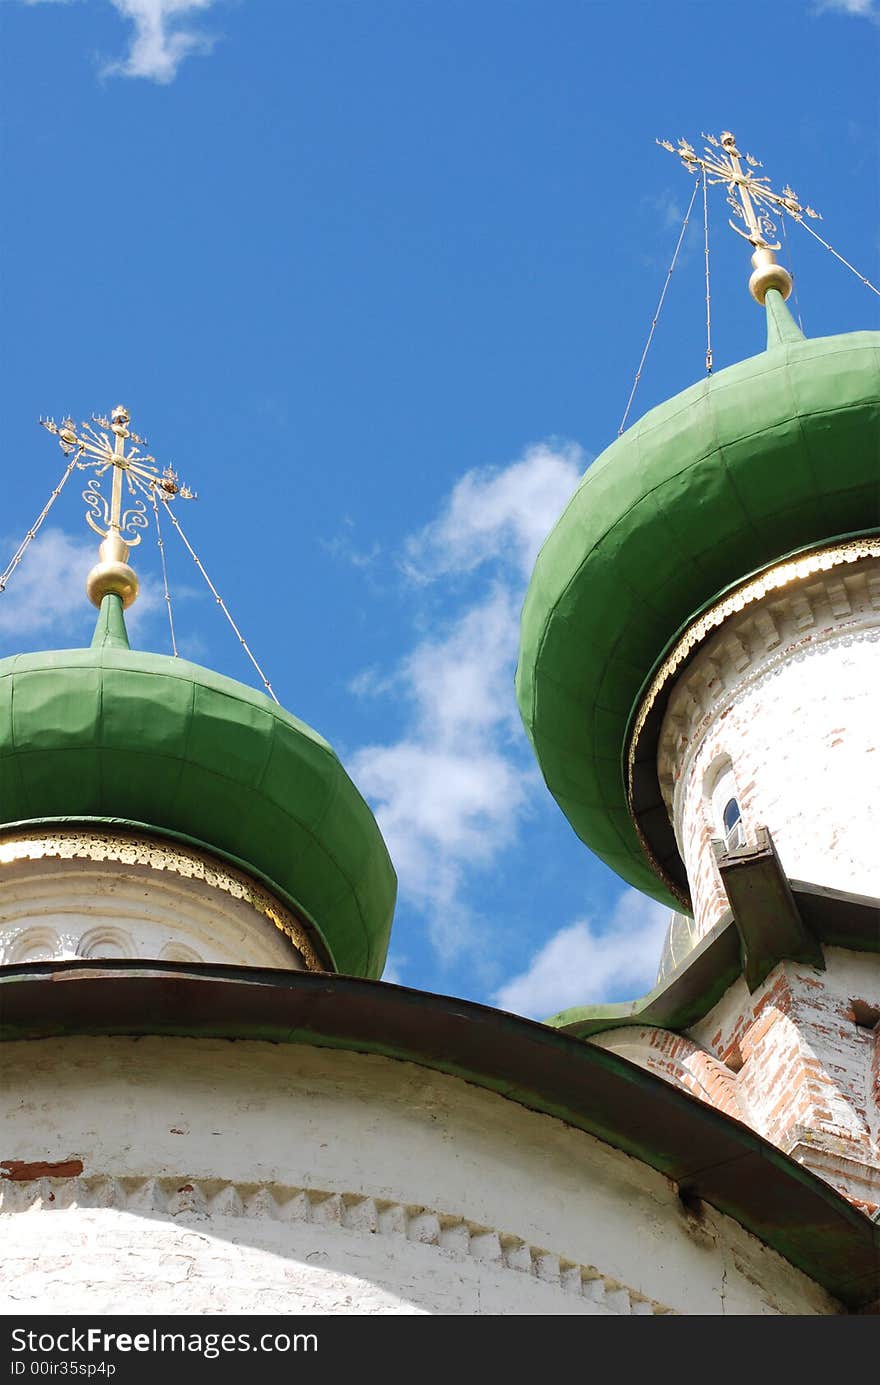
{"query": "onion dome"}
pixel 774 456
pixel 112 735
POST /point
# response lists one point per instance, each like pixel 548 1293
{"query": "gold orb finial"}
pixel 112 574
pixel 768 274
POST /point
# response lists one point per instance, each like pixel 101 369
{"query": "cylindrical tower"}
pixel 771 720
pixel 731 524
pixel 698 674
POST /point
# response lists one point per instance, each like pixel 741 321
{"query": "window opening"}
pixel 733 827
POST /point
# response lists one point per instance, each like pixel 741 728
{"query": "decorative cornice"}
pixel 773 579
pixel 453 1234
pixel 802 621
pixel 134 849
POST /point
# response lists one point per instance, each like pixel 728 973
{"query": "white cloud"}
pixel 860 9
pixel 160 41
pixel 499 514
pixel 46 600
pixel 450 792
pixel 584 965
pixel 46 593
pixel 460 683
pixel 394 969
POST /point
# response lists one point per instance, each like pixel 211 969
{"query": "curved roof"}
pixel 112 733
pixel 706 1153
pixel 777 453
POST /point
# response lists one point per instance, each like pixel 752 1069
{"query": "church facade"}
pixel 210 1101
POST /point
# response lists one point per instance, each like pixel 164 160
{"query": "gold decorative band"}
pixel 133 849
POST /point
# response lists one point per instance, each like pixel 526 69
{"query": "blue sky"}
pixel 375 277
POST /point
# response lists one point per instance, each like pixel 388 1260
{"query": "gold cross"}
pixel 100 445
pixel 750 196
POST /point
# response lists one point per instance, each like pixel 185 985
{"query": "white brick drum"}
pixel 85 894
pixel 780 708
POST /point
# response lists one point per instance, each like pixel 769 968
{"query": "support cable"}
pixel 161 544
pixel 837 256
pixel 790 258
pixel 708 297
pixel 684 227
pixel 35 527
pixel 218 598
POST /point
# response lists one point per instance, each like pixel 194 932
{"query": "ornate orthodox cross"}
pixel 752 200
pixel 749 195
pixel 98 446
pixel 96 451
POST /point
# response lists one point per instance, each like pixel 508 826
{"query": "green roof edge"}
pixel 674 1003
pixel 834 918
pixel 706 1153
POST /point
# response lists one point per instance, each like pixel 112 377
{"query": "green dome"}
pixel 776 454
pixel 108 733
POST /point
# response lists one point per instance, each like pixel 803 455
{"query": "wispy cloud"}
pixel 589 962
pixel 161 40
pixel 669 208
pixel 343 546
pixel 46 593
pixel 394 969
pixel 450 792
pixel 498 514
pixel 860 9
pixel 161 37
pixel 45 601
pixel 662 218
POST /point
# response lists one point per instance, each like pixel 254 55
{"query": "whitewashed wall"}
pixel 785 700
pixel 248 1177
